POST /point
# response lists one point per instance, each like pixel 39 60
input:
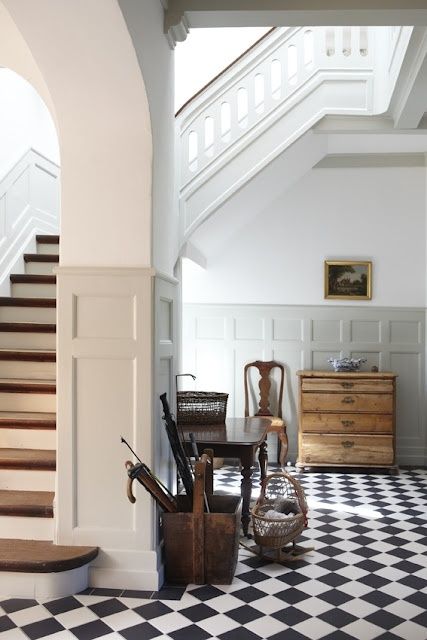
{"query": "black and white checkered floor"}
pixel 366 579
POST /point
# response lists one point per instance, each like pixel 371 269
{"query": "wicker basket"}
pixel 201 407
pixel 276 533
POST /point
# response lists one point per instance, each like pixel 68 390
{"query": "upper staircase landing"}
pixel 270 97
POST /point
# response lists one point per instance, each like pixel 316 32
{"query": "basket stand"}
pixel 275 538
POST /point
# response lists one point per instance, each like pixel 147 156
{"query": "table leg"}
pixel 245 492
pixel 263 460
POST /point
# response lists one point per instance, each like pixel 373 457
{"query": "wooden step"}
pixel 27 327
pixel 27 395
pixel 31 355
pixel 26 386
pixel 28 459
pixel 25 336
pixel 9 301
pixel 40 263
pixel 42 556
pixel 47 239
pixel 20 309
pixel 32 278
pixel 31 285
pixel 41 257
pixel 22 420
pixel 33 504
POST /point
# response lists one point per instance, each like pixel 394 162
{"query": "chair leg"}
pixel 282 446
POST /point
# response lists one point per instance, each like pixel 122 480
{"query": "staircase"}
pixel 265 105
pixel 28 429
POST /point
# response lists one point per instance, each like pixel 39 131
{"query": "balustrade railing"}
pixel 261 84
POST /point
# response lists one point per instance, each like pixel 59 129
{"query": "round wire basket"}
pixel 275 533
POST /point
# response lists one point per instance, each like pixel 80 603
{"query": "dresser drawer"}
pixel 353 386
pixel 352 402
pixel 346 423
pixel 346 449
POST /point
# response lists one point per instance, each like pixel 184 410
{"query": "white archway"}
pixel 80 58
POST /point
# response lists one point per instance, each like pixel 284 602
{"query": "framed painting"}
pixel 348 280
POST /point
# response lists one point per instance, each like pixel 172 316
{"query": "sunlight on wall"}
pixel 205 53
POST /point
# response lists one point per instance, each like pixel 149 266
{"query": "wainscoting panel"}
pixel 105 390
pixel 218 340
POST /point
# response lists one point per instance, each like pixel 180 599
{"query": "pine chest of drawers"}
pixel 347 419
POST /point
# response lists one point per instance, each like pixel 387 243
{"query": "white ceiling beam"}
pixel 181 15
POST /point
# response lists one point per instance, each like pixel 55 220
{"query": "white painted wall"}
pixel 25 122
pixel 82 49
pixel 145 24
pixel 360 213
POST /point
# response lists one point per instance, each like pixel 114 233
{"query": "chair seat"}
pixel 277 422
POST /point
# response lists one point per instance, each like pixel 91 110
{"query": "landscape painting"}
pixel 348 280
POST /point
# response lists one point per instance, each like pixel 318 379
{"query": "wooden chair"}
pixel 277 423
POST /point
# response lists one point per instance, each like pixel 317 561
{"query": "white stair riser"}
pixel 50 249
pixel 24 528
pixel 27 480
pixel 28 314
pixel 40 268
pixel 33 290
pixel 20 340
pixel 45 586
pixel 44 402
pixel 27 370
pixel 28 438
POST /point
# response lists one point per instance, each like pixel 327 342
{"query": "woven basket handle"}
pixel 178 375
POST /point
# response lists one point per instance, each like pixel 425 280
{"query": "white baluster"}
pixel 292 64
pixel 242 106
pixel 355 42
pixel 208 136
pixel 308 43
pixel 192 150
pixel 277 78
pixel 339 42
pixel 259 90
pixel 225 121
pixel 364 44
pixel 301 70
pixel 330 42
pixel 235 129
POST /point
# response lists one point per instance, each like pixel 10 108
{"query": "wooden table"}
pixel 237 438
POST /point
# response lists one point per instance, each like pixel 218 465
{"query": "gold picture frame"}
pixel 348 280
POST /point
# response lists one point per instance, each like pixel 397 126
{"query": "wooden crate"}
pixel 201 547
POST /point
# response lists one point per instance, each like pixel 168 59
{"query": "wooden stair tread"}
pixel 34 504
pixel 28 355
pixel 42 459
pixel 27 420
pixel 27 327
pixel 32 278
pixel 42 556
pixel 9 301
pixel 47 239
pixel 15 385
pixel 41 257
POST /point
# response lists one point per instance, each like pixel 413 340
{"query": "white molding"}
pixel 44 586
pixel 148 272
pixel 344 161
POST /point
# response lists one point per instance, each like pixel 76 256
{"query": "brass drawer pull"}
pixel 347 423
pixel 347 385
pixel 347 444
pixel 348 400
